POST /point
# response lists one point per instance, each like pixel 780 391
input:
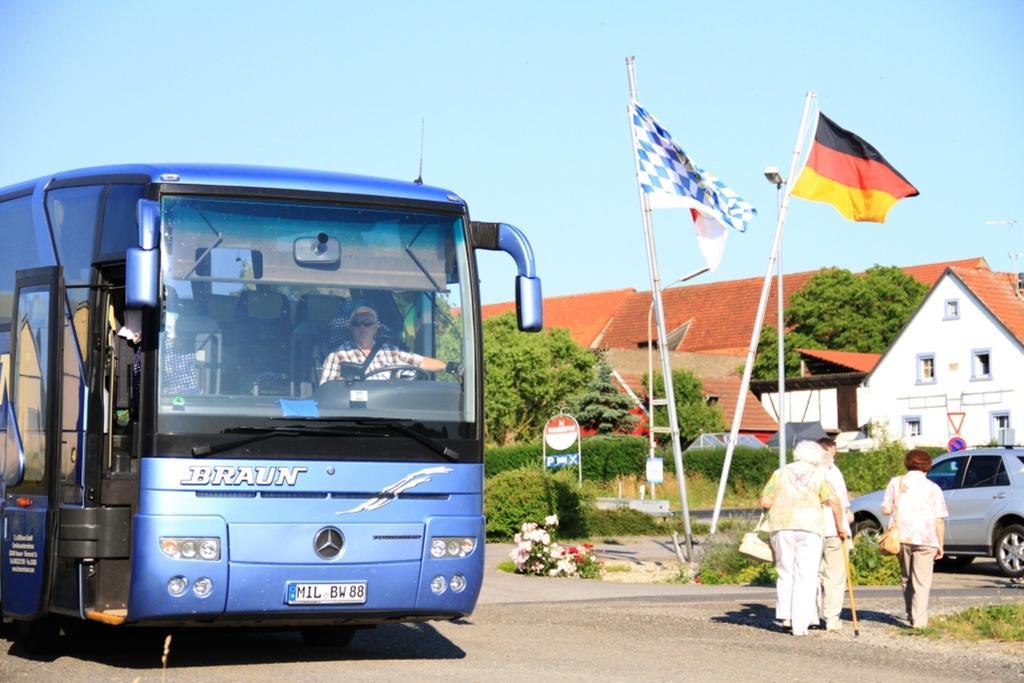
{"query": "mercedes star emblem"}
pixel 328 543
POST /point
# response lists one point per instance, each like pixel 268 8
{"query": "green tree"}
pixel 602 406
pixel 840 311
pixel 528 378
pixel 696 415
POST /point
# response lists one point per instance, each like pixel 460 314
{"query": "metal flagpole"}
pixel 666 370
pixel 759 318
pixel 781 344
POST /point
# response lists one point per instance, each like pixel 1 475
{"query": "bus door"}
pixel 32 501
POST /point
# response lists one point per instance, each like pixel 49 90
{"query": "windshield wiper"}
pixel 404 427
pixel 261 433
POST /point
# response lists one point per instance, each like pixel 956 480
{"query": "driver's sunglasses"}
pixel 363 323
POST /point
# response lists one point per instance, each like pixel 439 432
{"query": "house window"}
pixel 911 425
pixel 926 368
pixel 999 421
pixel 981 364
pixel 952 309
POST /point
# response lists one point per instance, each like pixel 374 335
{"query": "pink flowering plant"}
pixel 538 553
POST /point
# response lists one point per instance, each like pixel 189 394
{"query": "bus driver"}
pixel 364 325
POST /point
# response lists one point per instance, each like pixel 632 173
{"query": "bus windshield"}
pixel 298 309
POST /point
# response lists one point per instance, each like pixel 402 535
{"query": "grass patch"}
pixel 723 564
pixel 700 491
pixel 507 566
pixel 1003 623
pixel 683 575
pixel 617 569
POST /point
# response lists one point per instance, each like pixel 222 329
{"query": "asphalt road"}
pixel 558 629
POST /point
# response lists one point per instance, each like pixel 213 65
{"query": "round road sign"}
pixel 561 431
pixel 956 444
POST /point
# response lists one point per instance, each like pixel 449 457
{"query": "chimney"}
pixel 1020 284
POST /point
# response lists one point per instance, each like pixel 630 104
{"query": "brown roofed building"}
pixel 585 315
pixel 719 317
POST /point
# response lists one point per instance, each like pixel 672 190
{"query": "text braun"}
pixel 229 475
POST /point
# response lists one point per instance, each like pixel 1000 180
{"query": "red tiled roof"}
pixel 721 314
pixel 861 362
pixel 726 390
pixel 584 315
pixel 998 292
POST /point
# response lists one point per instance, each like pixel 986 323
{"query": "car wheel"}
pixel 867 527
pixel 1009 550
pixel 328 636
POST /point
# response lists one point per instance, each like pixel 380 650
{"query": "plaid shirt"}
pixel 386 356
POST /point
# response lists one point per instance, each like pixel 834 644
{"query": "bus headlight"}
pixel 209 549
pixel 177 585
pixel 190 548
pixel 202 587
pixel 451 546
pixel 438 584
pixel 458 583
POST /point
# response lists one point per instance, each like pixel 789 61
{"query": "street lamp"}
pixel 772 175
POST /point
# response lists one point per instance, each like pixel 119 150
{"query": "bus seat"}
pixel 194 357
pixel 264 322
pixel 315 334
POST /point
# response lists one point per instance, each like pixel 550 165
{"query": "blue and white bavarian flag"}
pixel 671 180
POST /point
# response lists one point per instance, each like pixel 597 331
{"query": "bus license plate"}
pixel 326 593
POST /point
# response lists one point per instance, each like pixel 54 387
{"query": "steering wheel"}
pixel 418 372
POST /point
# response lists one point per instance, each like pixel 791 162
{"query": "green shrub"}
pixel 761 574
pixel 528 495
pixel 723 563
pixel 869 567
pixel 503 458
pixel 622 523
pixel 870 470
pixel 604 457
pixel 749 470
pixel 607 457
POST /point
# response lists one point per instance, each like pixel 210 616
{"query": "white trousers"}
pixel 797 559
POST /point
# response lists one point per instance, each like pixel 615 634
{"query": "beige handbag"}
pixel 889 542
pixel 754 547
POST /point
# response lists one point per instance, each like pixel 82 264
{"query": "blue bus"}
pixel 242 396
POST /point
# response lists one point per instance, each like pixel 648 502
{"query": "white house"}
pixel 956 368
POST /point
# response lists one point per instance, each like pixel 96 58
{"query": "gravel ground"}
pixel 670 638
pixel 529 628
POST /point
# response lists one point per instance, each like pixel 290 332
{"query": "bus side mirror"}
pixel 142 264
pixel 511 240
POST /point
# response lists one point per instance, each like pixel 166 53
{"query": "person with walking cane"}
pixel 793 498
pixel 833 572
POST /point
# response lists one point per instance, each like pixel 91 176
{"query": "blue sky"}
pixel 525 111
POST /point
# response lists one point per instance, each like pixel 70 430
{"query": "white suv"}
pixel 984 490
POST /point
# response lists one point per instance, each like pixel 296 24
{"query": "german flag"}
pixel 845 171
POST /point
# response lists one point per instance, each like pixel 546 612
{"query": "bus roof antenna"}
pixel 419 178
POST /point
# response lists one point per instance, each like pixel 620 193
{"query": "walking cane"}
pixel 849 585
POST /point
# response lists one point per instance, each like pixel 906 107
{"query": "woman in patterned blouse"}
pixel 792 499
pixel 918 511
